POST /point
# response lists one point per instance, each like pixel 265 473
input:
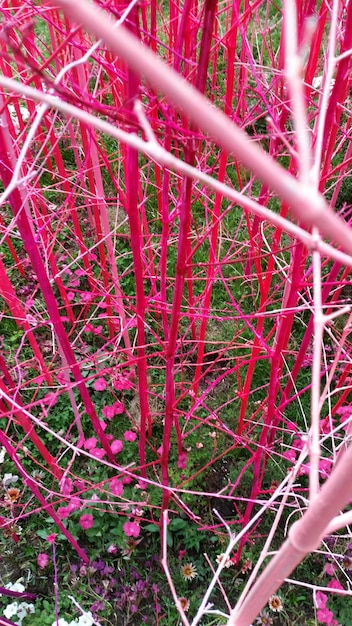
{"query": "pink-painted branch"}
pixel 169 160
pixel 304 537
pixel 306 204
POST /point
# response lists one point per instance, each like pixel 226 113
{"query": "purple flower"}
pixel 140 585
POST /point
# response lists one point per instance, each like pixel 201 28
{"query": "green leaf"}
pixel 151 528
pixel 178 524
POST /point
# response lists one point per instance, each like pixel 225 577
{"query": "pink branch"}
pixel 304 536
pixel 307 205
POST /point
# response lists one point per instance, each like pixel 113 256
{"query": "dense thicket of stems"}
pixel 175 235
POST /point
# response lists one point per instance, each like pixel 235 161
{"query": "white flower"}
pixel 317 83
pixel 189 571
pixel 225 561
pixel 11 610
pixel 86 619
pixel 17 586
pixel 20 609
pixel 275 603
pixel 24 609
pixel 9 479
pixel 62 622
pixel 2 454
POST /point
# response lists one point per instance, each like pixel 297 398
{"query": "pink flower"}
pixel 88 328
pixel 74 504
pixel 42 559
pixel 102 425
pixel 119 407
pixel 325 467
pixel 342 410
pixel 116 446
pixel 298 444
pixel 51 538
pixel 99 453
pixel 116 487
pixel 290 455
pixel 86 521
pixel 100 384
pixel 112 549
pixel 50 398
pixel 334 584
pixel 122 383
pixel 131 529
pixel 66 486
pixel 325 425
pixel 63 512
pixel 90 443
pixel 182 460
pixel 127 480
pixel 108 412
pixel 325 616
pixel 321 599
pixel 130 436
pixel 61 379
pixel 329 569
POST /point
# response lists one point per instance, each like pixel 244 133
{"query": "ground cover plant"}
pixel 175 293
